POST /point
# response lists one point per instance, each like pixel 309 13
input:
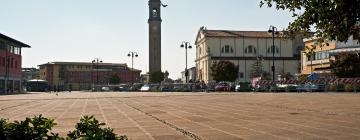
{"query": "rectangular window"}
pixel 3 62
pixel 12 63
pixel 2 46
pixel 241 74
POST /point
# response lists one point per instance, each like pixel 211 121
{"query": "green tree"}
pixel 114 79
pixel 332 19
pixel 346 65
pixel 224 71
pixel 310 52
pixel 156 77
pixel 257 68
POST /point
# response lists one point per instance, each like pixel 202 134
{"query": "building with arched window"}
pixel 244 48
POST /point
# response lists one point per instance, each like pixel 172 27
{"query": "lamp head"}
pixel 182 45
pixel 101 61
pixel 190 47
pixel 270 31
pixel 129 54
pixel 136 55
pixel 93 61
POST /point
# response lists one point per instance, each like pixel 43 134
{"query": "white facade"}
pixel 243 48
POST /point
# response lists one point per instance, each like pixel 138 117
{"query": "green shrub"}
pixel 349 88
pixel 39 128
pixel 90 129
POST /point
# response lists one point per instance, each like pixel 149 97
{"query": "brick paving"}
pixel 187 116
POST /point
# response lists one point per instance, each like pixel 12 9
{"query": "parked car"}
pixel 166 88
pixel 238 87
pixel 145 88
pixel 311 87
pixel 136 87
pixel 122 88
pixel 105 89
pixel 210 87
pixel 222 87
pixel 199 87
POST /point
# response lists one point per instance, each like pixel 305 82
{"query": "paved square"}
pixel 215 116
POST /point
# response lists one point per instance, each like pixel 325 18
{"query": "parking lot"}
pixel 214 116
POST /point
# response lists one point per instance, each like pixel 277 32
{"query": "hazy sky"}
pixel 81 30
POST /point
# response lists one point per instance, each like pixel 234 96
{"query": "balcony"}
pixel 316 62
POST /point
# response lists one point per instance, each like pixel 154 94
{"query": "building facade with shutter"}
pixel 245 48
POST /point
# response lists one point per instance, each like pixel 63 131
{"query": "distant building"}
pixel 10 64
pixel 192 75
pixel 324 52
pixel 83 76
pixel 244 48
pixel 145 78
pixel 30 74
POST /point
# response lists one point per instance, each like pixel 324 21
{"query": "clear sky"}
pixel 81 30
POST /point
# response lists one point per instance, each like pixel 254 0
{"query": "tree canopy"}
pixel 346 65
pixel 332 19
pixel 114 79
pixel 224 71
pixel 156 77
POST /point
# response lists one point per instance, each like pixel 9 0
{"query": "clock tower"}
pixel 154 36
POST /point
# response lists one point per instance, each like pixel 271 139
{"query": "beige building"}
pixel 323 53
pixel 243 48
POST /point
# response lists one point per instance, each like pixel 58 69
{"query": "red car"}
pixel 222 87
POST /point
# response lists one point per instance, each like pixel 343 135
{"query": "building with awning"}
pixel 318 60
pixel 355 49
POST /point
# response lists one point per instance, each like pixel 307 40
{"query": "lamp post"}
pixel 132 55
pixel 96 62
pixel 273 31
pixel 186 45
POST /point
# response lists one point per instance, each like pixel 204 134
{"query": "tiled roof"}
pixel 228 33
pixel 83 63
pixel 87 64
pixel 20 44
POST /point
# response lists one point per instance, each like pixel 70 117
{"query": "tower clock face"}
pixel 155 12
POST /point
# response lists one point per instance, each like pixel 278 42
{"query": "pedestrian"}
pixel 70 88
pixel 54 88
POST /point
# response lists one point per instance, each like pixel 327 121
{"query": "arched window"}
pixel 270 50
pixel 250 49
pixel 227 49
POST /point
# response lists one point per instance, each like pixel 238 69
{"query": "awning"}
pixel 352 49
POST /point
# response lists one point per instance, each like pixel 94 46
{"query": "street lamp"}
pixel 96 62
pixel 132 55
pixel 273 31
pixel 186 45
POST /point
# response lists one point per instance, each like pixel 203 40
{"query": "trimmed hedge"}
pixel 39 128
